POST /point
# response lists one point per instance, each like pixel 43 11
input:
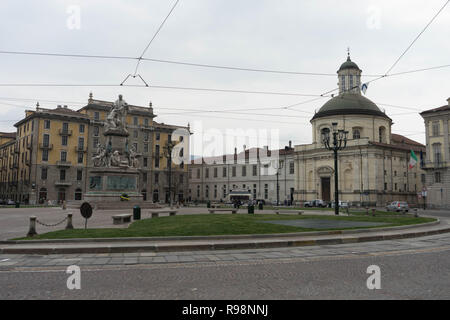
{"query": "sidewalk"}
pixel 172 244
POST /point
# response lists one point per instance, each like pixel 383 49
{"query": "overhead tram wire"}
pixel 418 36
pixel 154 36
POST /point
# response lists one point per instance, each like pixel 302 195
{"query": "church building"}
pixel 373 168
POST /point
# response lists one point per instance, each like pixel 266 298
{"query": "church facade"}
pixel 373 168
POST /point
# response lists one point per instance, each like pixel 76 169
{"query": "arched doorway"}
pixel 156 196
pixel 61 195
pixel 78 194
pixel 42 195
pixel 325 174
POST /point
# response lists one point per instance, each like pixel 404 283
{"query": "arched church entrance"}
pixel 325 182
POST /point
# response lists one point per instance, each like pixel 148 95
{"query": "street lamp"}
pixel 339 142
pixel 279 166
pixel 168 155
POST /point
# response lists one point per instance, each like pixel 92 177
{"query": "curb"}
pixel 217 246
pixel 225 237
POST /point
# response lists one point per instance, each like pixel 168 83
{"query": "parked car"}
pixel 315 203
pixel 398 206
pixel 10 202
pixel 2 201
pixel 342 204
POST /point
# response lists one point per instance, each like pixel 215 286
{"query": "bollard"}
pixel 415 213
pixel 69 221
pixel 373 212
pixel 32 231
pixel 64 205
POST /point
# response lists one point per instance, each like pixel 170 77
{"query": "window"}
pixel 62 174
pixel 255 170
pixel 385 186
pixel 96 131
pixel 437 153
pixel 44 174
pixel 233 171
pixel 207 192
pixel 224 172
pixel 80 157
pixel 145 162
pixel 63 156
pixel 135 145
pixel 351 82
pixel 291 167
pixel 343 83
pixel 79 175
pixel 135 134
pixel 156 177
pixel 356 134
pixel 215 192
pixel 64 140
pixel 80 143
pixel 45 155
pixel 435 128
pixel 146 147
pixel 46 140
pixel 158 136
pixel 96 115
pixel 135 121
pixel 244 171
pixel 190 174
pixel 382 134
pixel 198 173
pixel 81 128
pixel 157 156
pixel 181 179
pixel 215 172
pixel 95 142
pixel 46 124
pixel 207 173
pixel 146 136
pixel 65 127
pixel 437 177
pixel 423 178
pixel 146 122
pixel 266 191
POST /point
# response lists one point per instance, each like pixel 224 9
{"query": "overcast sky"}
pixel 289 35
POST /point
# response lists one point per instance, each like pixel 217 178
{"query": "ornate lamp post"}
pixel 168 155
pixel 279 166
pixel 339 142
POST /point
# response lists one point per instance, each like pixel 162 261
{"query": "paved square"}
pixel 325 224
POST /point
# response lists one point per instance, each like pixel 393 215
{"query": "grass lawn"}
pixel 214 224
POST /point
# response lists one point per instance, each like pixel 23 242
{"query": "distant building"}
pixel 50 156
pixel 437 163
pixel 373 168
pixel 214 178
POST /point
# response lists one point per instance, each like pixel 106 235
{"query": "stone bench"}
pixel 121 218
pixel 155 213
pixel 279 211
pixel 233 210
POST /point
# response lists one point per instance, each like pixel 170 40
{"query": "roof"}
pixel 349 103
pixel 401 142
pixel 443 108
pixel 250 154
pixel 8 134
pixel 399 139
pixel 57 112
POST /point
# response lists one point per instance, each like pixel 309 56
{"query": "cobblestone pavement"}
pixel 425 244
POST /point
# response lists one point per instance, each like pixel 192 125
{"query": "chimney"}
pixel 59 106
pixel 448 100
pixel 65 106
pixel 235 150
pixel 290 144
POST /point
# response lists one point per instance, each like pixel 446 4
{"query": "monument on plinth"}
pixel 114 177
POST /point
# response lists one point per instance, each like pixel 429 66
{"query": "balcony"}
pixel 80 149
pixel 63 163
pixel 63 132
pixel 63 183
pixel 435 164
pixel 45 146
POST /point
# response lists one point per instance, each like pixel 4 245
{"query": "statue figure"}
pixel 133 161
pixel 115 159
pixel 116 117
pixel 100 160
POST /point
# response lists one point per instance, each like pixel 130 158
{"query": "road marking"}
pixel 4 260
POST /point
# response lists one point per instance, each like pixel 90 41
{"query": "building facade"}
pixel 373 168
pixel 50 158
pixel 212 179
pixel 437 163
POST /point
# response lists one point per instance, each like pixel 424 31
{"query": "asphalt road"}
pixel 410 269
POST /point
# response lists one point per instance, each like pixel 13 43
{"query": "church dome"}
pixel 349 64
pixel 349 104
